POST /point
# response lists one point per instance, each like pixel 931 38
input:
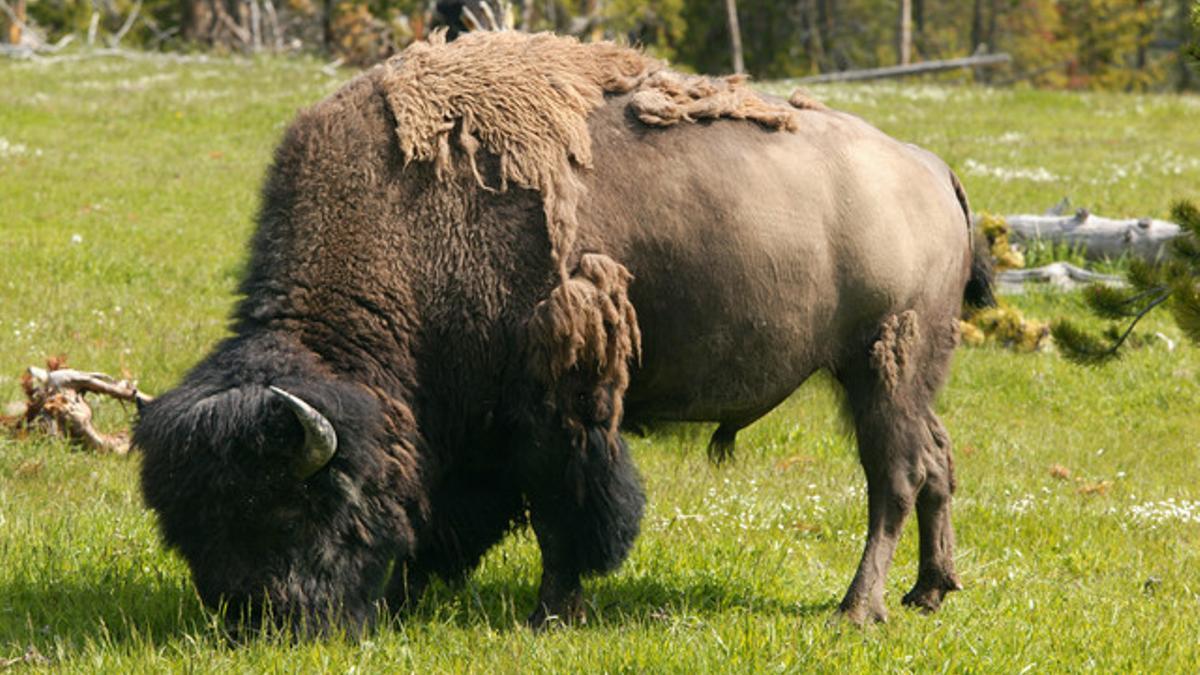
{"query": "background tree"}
pixel 735 36
pixel 904 33
pixel 1085 44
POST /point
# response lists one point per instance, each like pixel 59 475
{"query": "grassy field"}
pixel 126 195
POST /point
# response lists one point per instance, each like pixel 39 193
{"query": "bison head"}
pixel 272 482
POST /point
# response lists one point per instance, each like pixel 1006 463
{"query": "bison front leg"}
pixel 585 496
pixel 560 596
pixel 408 583
pixel 585 524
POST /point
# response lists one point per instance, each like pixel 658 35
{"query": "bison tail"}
pixel 980 290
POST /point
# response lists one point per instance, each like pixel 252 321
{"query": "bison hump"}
pixel 526 99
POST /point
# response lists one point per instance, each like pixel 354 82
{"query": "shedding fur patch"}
pixel 524 98
pixel 587 328
pixel 667 98
pixel 893 352
pixel 802 100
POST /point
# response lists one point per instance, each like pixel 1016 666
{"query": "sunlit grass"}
pixel 123 217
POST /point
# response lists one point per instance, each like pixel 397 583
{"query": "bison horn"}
pixel 320 439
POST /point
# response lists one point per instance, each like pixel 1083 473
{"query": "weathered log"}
pixel 1060 274
pixel 922 68
pixel 1099 237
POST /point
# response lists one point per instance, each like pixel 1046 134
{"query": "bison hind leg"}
pixel 935 573
pixel 723 443
pixel 905 454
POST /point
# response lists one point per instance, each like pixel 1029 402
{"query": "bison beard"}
pixel 449 255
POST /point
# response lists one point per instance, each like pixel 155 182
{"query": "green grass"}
pixel 155 166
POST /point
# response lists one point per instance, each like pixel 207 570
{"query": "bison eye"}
pixel 287 517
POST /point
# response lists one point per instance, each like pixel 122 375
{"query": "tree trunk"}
pixel 918 19
pixel 990 38
pixel 904 34
pixel 977 62
pixel 735 36
pixel 14 27
pixel 827 24
pixel 527 9
pixel 1185 38
pixel 327 24
pixel 812 37
pixel 1144 35
pixel 1060 275
pixel 977 26
pixel 595 10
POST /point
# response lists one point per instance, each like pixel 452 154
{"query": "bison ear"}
pixel 320 438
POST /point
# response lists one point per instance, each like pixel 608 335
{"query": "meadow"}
pixel 127 194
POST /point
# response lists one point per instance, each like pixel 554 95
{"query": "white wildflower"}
pixel 1158 513
pixel 9 149
pixel 1022 505
pixel 1006 174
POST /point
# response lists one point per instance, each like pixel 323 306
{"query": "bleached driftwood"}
pixel 56 404
pixel 978 61
pixel 1060 274
pixel 1100 237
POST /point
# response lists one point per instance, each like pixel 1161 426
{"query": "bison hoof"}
pixel 544 619
pixel 927 595
pixel 862 613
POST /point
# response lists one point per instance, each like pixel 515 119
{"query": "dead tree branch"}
pixel 133 15
pixel 56 404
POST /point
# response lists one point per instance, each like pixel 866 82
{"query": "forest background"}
pixel 1123 45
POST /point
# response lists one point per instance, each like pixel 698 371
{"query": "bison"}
pixel 473 262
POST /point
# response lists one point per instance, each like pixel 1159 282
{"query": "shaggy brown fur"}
pixel 666 98
pixel 524 98
pixel 589 326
